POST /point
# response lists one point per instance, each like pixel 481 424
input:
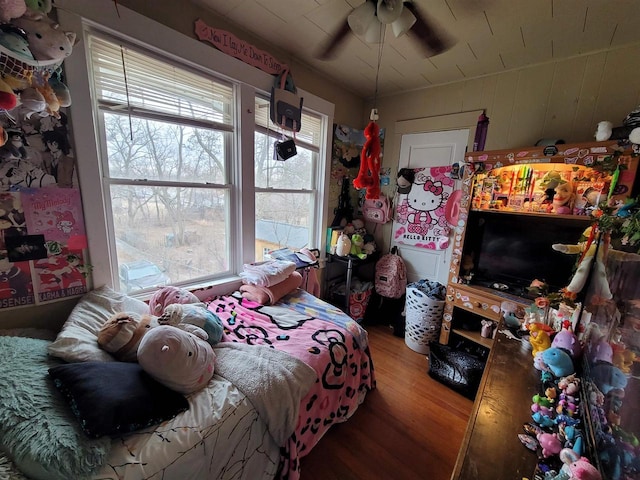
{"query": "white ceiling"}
pixel 490 36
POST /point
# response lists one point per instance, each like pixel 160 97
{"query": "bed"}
pixel 311 362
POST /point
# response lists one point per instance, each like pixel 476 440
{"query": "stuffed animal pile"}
pixel 37 46
pixel 173 343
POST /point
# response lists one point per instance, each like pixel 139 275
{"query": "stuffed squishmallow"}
pixel 122 333
pixel 46 40
pixel 178 359
pixel 169 296
pixel 196 314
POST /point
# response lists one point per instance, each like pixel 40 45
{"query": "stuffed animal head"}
pixel 46 40
pixel 176 358
pixel 169 296
pixel 14 39
pixel 39 6
pixel 582 470
pixel 10 9
pixel 122 333
pixel 180 315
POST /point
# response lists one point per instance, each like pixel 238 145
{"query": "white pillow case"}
pixel 78 339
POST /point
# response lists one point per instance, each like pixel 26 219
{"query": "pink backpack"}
pixel 377 210
pixel 391 275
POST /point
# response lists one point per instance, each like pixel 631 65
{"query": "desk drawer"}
pixel 475 302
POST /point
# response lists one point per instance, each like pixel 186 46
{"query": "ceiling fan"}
pixel 367 20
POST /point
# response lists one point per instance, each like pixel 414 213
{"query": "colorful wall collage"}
pixel 43 245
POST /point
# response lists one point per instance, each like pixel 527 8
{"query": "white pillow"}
pixel 78 339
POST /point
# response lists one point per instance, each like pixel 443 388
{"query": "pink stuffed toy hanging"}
pixel 369 174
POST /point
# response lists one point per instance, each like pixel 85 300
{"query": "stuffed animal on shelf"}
pixel 595 241
pixel 122 333
pixel 196 314
pixel 539 339
pixel 558 361
pixel 357 242
pixel 576 467
pixel 604 130
pixel 180 360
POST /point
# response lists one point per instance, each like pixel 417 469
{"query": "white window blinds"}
pixel 127 78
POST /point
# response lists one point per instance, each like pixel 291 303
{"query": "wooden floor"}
pixel 410 427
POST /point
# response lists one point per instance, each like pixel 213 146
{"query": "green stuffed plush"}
pixel 357 242
pixel 39 6
pixel 180 360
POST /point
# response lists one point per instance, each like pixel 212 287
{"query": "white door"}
pixel 433 149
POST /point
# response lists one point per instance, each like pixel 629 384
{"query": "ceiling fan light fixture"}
pixel 403 24
pixel 361 18
pixel 389 11
pixel 374 32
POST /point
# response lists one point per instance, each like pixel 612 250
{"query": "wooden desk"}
pixel 490 448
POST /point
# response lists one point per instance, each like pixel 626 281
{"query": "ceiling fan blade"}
pixel 432 40
pixel 329 50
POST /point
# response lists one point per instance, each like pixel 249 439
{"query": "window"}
pixel 286 191
pixel 166 154
pixel 167 135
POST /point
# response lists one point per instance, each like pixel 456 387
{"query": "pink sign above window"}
pixel 231 45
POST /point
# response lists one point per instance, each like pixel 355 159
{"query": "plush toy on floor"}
pixel 122 333
pixel 178 359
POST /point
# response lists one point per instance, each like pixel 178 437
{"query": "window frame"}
pixel 83 17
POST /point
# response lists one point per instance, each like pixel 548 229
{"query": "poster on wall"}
pixel 37 153
pixel 42 233
pixel 345 162
pixel 16 287
pixel 421 208
pixel 59 276
pixel 12 221
pixel 55 213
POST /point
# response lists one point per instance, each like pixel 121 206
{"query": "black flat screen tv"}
pixel 509 251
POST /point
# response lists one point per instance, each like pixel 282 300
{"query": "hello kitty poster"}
pixel 420 219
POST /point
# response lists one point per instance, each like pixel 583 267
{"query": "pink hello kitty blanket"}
pixel 324 338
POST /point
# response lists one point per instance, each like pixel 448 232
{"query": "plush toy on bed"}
pixel 196 314
pixel 178 359
pixel 169 296
pixel 122 333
